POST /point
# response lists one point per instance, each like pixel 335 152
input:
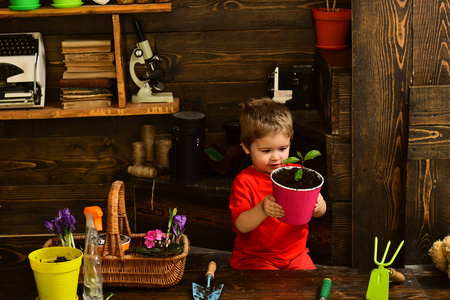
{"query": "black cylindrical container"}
pixel 188 146
pixel 233 132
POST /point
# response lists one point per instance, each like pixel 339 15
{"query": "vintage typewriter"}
pixel 22 70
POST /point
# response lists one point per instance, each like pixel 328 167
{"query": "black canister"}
pixel 188 146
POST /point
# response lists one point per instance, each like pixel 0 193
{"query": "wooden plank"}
pixel 430 54
pixel 320 238
pixel 427 208
pixel 240 55
pixel 381 66
pixel 429 105
pixel 121 95
pixel 429 142
pixel 423 282
pixel 197 15
pixel 341 253
pixel 339 170
pixel 23 209
pixel 334 83
pixel 61 160
pixel 428 165
pixel 54 111
pixel 87 10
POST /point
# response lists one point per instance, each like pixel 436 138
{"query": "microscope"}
pixel 150 87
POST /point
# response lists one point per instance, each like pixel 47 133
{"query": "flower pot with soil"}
pixel 296 189
pixel 332 25
pixel 56 271
pixel 124 240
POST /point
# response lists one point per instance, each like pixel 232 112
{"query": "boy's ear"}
pixel 247 151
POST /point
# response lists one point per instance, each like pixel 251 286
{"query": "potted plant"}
pixel 296 188
pixel 160 244
pixel 56 269
pixel 332 26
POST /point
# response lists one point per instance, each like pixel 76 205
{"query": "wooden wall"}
pixel 216 54
pixel 382 50
pixel 428 169
pixel 400 127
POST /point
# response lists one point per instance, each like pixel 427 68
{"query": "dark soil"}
pixel 61 259
pixel 285 177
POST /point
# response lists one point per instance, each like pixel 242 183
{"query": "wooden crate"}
pixel 334 90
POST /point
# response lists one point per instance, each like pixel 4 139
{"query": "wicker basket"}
pixel 132 270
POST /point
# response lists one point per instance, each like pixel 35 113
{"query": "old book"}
pixel 85 104
pixel 89 57
pixel 98 63
pixel 87 82
pixel 85 46
pixel 84 90
pixel 77 43
pixel 78 69
pixel 85 97
pixel 95 49
pixel 102 74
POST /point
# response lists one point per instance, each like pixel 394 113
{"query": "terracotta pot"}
pixel 298 204
pixel 332 28
pixel 125 242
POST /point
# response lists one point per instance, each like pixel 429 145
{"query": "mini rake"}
pixel 379 278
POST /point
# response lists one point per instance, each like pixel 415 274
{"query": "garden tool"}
pixel 325 290
pixel 379 278
pixel 207 293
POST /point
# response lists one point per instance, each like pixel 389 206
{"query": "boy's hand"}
pixel 271 208
pixel 320 207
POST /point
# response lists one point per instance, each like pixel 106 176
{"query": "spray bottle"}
pixel 93 280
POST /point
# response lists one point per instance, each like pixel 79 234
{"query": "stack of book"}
pixel 90 73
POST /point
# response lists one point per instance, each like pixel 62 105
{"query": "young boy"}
pixel 262 241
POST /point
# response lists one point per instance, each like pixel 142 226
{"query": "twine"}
pixel 162 154
pixel 148 133
pixel 138 153
pixel 143 171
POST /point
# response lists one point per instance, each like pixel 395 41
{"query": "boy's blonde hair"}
pixel 262 117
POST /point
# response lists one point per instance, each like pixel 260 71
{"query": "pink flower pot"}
pixel 298 204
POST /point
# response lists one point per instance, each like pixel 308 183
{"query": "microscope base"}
pixel 153 98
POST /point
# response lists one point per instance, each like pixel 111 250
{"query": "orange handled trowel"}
pixel 207 293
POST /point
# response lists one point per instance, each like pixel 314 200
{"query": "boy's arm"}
pixel 250 219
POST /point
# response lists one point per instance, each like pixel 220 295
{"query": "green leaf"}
pixel 312 154
pixel 291 160
pixel 300 155
pixel 173 246
pixel 298 175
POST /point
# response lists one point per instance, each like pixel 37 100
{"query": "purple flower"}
pixel 180 221
pixel 49 226
pixel 63 225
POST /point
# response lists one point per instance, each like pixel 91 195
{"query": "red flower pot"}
pixel 332 28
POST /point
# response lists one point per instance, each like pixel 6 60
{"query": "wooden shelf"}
pixel 54 111
pixel 87 10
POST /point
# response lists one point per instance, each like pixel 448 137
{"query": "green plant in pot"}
pixel 296 188
pixel 56 269
pixel 332 26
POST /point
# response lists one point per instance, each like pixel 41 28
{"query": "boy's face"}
pixel 268 153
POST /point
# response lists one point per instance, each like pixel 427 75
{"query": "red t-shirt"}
pixel 272 240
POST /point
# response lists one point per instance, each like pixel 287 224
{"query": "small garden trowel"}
pixel 207 293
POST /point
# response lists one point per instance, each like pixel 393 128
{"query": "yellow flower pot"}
pixel 56 280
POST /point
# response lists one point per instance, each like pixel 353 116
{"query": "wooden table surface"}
pixel 422 282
